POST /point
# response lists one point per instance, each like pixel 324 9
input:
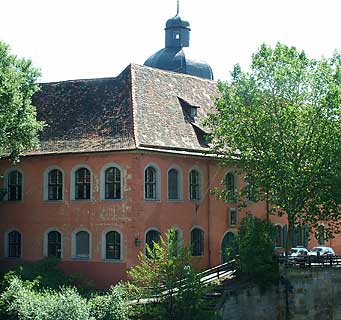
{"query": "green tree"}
pixel 18 124
pixel 168 285
pixel 280 124
pixel 253 251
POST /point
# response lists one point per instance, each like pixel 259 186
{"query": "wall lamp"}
pixel 137 241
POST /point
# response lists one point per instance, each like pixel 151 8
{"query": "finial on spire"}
pixel 177 7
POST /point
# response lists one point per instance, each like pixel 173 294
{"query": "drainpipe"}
pixel 208 213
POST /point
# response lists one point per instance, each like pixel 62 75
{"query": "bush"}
pixel 110 306
pixel 174 289
pixel 48 274
pixel 23 300
pixel 24 303
pixel 253 250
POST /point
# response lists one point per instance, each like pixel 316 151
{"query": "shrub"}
pixel 110 306
pixel 253 250
pixel 24 303
pixel 174 289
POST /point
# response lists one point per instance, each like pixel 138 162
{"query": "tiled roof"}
pixel 139 108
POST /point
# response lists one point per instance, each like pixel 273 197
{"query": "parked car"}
pixel 298 256
pixel 322 251
pixel 298 252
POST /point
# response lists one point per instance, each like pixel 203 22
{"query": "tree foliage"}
pixel 18 124
pixel 25 300
pixel 253 251
pixel 173 288
pixel 280 124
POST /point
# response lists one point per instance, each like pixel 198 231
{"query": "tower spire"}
pixel 177 7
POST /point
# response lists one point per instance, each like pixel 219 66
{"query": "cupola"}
pixel 175 55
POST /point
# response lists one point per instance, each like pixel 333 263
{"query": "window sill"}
pixel 81 258
pixel 111 200
pixel 113 260
pixel 13 201
pixel 53 201
pixel 175 200
pixel 81 200
pixel 195 200
pixel 152 200
pixel 198 257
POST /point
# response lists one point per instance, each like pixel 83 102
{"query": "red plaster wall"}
pixel 132 215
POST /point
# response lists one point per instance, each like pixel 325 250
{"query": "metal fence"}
pixel 310 261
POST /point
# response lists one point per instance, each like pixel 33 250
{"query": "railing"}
pixel 218 272
pixel 310 261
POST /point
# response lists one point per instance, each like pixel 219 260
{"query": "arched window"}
pixel 14 186
pixel 176 237
pixel 321 235
pixel 194 185
pixel 82 184
pixel 152 236
pixel 226 246
pixel 55 185
pixel 112 183
pixel 173 184
pixel 230 187
pixel 113 245
pixel 300 236
pixel 54 244
pixel 82 245
pixel 197 242
pixel 278 236
pixel 150 184
pixel 14 244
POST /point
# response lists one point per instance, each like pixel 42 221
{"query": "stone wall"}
pixel 309 294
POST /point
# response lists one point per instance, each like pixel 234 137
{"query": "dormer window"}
pixel 193 112
pixel 189 111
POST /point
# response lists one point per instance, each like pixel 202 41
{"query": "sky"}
pixel 75 39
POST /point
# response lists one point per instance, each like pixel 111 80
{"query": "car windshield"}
pixel 293 250
pixel 316 250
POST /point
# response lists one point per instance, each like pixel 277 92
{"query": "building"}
pixel 121 161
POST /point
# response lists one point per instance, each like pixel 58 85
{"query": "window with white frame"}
pixel 321 235
pixel 54 244
pixel 173 184
pixel 151 183
pixel 197 242
pixel 152 236
pixel 230 187
pixel 278 236
pixel 14 186
pixel 82 245
pixel 55 185
pixel 194 185
pixel 233 216
pixel 112 178
pixel 177 239
pixel 82 184
pixel 113 245
pixel 14 244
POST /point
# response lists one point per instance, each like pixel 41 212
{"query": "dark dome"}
pixel 174 59
pixel 176 22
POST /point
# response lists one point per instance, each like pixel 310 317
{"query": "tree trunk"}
pixel 291 226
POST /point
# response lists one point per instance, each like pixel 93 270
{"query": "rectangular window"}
pixel 233 217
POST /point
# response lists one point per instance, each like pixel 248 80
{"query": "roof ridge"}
pixel 133 102
pixel 174 73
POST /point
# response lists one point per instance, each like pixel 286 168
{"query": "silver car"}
pixel 322 251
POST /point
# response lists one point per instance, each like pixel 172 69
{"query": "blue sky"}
pixel 72 39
